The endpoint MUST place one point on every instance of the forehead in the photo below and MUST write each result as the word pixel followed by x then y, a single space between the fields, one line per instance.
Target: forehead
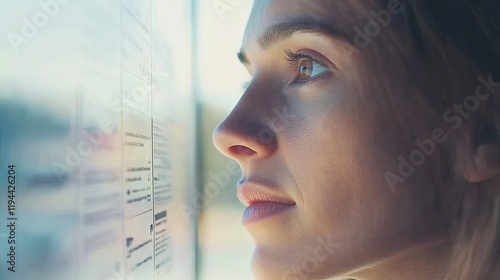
pixel 342 15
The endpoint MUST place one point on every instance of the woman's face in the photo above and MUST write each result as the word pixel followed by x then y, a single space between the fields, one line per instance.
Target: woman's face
pixel 314 136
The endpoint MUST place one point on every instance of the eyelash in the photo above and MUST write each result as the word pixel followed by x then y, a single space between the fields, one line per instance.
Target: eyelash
pixel 294 58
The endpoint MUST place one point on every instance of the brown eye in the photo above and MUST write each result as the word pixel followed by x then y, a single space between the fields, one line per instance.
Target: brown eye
pixel 309 69
pixel 306 69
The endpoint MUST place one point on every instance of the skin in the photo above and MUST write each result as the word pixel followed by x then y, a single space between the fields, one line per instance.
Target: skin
pixel 327 150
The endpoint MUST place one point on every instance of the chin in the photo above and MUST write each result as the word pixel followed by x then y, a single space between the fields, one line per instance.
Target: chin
pixel 271 264
pixel 287 264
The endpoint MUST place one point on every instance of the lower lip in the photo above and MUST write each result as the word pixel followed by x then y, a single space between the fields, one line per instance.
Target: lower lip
pixel 263 210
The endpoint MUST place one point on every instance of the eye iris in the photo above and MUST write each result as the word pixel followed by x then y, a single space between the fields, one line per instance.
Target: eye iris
pixel 306 68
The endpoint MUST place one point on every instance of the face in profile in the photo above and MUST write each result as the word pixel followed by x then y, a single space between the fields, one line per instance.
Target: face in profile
pixel 321 133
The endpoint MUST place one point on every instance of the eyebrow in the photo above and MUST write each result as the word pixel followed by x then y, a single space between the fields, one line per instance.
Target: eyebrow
pixel 282 31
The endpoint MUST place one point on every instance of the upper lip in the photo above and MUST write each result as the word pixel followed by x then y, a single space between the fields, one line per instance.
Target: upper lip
pixel 250 192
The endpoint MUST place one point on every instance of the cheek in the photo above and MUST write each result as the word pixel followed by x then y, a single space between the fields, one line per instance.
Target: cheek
pixel 337 155
pixel 330 159
pixel 343 195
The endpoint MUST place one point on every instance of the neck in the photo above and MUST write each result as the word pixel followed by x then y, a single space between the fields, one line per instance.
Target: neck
pixel 427 261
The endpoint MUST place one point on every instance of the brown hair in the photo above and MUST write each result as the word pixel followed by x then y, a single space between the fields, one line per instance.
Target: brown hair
pixel 444 46
pixel 456 39
pixel 452 43
pixel 470 27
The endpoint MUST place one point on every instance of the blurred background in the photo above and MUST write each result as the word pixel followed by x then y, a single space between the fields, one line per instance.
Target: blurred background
pixel 225 246
pixel 107 108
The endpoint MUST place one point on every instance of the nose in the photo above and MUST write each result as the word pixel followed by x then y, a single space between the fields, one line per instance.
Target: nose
pixel 243 140
pixel 244 134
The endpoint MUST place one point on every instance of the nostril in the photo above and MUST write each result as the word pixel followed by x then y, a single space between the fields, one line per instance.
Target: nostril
pixel 241 150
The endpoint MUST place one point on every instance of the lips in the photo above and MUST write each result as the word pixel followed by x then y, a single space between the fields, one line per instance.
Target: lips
pixel 263 201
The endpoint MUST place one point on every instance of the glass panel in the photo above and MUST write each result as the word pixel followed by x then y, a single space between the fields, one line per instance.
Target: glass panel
pixel 97 129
